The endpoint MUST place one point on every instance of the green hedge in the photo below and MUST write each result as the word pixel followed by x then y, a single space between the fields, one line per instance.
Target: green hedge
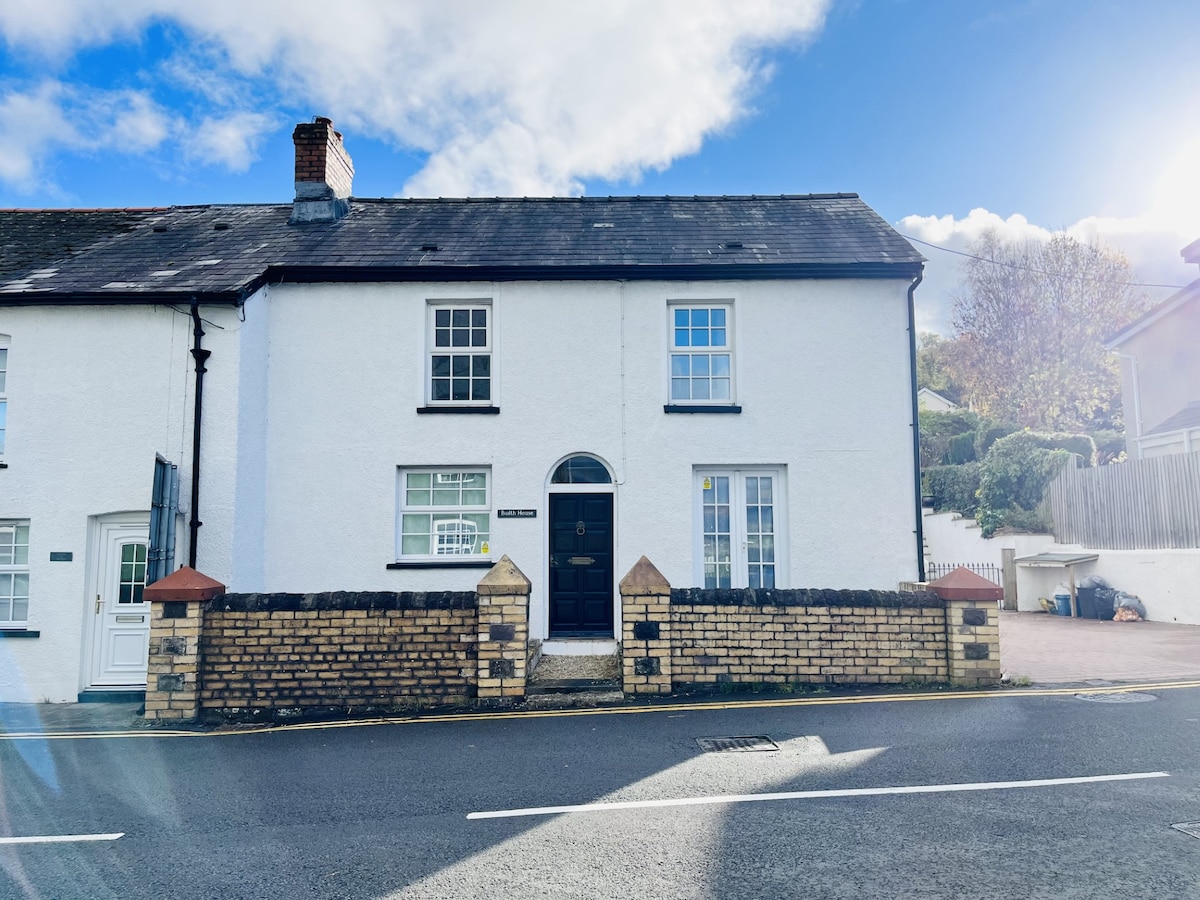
pixel 1013 478
pixel 961 449
pixel 953 488
pixel 938 428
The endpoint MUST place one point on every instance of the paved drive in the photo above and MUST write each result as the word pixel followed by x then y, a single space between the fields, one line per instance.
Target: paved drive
pixel 1058 650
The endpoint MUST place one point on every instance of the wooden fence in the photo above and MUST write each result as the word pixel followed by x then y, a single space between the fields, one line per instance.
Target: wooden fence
pixel 1147 504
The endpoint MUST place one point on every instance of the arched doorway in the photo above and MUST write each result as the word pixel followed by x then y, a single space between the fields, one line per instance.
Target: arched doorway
pixel 580 524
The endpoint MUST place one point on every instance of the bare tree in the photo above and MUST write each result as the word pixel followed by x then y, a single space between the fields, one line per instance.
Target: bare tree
pixel 1030 320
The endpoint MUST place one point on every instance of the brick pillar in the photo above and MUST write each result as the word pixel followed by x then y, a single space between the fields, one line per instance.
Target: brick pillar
pixel 972 627
pixel 503 597
pixel 973 642
pixel 176 621
pixel 645 630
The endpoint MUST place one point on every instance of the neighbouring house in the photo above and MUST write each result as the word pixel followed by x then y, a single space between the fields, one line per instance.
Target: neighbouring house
pixel 345 394
pixel 933 401
pixel 1160 373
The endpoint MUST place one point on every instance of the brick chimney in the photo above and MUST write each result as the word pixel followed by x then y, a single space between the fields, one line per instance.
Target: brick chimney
pixel 324 173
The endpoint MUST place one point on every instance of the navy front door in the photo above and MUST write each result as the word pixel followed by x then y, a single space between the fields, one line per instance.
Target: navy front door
pixel 581 565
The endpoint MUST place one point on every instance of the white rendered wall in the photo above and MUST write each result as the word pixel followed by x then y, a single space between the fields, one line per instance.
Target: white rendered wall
pixel 93 394
pixel 822 375
pixel 952 538
pixel 1165 580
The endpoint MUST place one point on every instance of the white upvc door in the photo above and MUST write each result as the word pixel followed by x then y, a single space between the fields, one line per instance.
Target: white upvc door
pixel 740 528
pixel 121 617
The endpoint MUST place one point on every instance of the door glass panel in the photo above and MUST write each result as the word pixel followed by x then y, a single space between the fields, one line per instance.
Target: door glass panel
pixel 718 559
pixel 133 573
pixel 760 543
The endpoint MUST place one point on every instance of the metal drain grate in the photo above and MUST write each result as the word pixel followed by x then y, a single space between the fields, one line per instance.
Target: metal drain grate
pixel 1117 697
pixel 758 743
pixel 1192 828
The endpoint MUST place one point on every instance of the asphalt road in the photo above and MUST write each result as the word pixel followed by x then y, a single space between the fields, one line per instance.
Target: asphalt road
pixel 382 811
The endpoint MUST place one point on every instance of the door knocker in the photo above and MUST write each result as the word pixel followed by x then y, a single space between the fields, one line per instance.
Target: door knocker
pixel 580 528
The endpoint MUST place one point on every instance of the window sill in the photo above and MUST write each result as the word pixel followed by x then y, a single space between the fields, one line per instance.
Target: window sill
pixel 21 633
pixel 448 564
pixel 459 410
pixel 669 408
pixel 3 465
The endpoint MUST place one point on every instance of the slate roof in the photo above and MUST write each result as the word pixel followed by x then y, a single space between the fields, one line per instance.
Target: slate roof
pixel 28 237
pixel 1188 417
pixel 222 253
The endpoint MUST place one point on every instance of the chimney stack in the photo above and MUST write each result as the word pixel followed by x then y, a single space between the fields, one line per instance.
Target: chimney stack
pixel 324 173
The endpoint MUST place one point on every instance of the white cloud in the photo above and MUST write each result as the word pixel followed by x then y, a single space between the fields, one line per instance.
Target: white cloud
pixel 522 97
pixel 1150 241
pixel 54 116
pixel 231 141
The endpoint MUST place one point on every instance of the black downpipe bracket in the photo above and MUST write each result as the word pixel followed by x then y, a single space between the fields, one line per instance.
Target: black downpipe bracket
pixel 916 429
pixel 200 355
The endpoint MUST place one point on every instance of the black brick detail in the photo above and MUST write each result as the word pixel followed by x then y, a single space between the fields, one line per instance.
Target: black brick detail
pixel 174 609
pixel 170 682
pixel 805 597
pixel 974 616
pixel 976 651
pixel 647 665
pixel 502 668
pixel 706 660
pixel 502 633
pixel 345 600
pixel 173 646
pixel 645 631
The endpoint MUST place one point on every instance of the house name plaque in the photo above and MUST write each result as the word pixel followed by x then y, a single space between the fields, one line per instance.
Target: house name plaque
pixel 516 514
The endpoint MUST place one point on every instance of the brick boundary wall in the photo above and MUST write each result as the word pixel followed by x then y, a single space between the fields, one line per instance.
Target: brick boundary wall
pixel 263 655
pixel 807 637
pixel 691 638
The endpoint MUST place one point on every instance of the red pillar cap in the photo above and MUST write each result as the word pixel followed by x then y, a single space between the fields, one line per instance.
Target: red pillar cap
pixel 963 584
pixel 184 584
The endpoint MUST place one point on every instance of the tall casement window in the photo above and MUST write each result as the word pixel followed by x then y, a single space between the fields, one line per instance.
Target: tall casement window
pixel 701 354
pixel 445 514
pixel 3 389
pixel 740 528
pixel 14 573
pixel 460 354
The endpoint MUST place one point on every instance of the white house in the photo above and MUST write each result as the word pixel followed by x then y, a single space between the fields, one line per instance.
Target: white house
pixel 932 401
pixel 394 393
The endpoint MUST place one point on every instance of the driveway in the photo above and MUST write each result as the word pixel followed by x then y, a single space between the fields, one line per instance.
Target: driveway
pixel 1057 650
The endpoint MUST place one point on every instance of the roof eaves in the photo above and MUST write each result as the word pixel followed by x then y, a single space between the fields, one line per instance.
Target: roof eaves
pixel 593 272
pixel 1168 306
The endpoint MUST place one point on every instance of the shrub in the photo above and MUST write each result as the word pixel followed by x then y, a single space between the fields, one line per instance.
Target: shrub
pixel 1013 478
pixel 937 428
pixel 988 432
pixel 1109 446
pixel 961 449
pixel 953 488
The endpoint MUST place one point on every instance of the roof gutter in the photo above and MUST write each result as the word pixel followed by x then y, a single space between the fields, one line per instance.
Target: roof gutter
pixel 916 429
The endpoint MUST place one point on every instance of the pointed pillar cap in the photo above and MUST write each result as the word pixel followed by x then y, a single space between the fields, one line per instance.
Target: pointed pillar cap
pixel 644 578
pixel 184 584
pixel 504 578
pixel 963 584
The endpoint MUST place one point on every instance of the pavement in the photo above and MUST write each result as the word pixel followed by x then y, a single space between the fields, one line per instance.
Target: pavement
pixel 1035 648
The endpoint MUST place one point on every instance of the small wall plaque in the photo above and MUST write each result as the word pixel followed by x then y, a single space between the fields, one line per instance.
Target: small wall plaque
pixel 61 556
pixel 516 514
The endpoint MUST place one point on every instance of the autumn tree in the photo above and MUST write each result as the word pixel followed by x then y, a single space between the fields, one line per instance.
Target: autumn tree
pixel 935 366
pixel 1029 323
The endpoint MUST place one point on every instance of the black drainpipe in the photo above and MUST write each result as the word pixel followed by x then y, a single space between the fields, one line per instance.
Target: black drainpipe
pixel 200 355
pixel 916 430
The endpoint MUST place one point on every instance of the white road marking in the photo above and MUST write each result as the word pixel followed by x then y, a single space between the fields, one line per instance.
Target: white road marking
pixel 61 838
pixel 809 795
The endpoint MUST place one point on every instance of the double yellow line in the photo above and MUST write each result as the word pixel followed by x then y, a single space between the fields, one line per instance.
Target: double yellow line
pixel 660 708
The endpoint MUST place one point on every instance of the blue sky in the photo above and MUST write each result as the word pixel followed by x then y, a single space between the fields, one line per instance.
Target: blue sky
pixel 947 116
